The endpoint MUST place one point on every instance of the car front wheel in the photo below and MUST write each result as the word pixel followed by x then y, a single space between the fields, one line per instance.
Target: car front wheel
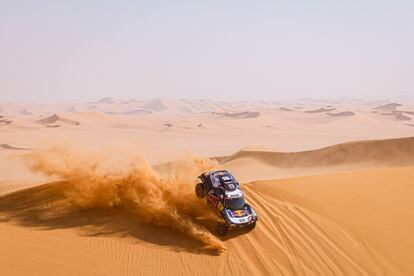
pixel 200 191
pixel 252 226
pixel 222 229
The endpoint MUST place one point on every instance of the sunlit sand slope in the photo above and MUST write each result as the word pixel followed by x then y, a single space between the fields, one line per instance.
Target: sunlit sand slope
pixel 342 157
pixel 353 223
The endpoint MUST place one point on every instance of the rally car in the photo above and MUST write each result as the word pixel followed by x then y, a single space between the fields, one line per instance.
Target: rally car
pixel 224 195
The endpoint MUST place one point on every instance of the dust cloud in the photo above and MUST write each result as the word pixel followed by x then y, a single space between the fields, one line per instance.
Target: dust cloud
pixel 111 178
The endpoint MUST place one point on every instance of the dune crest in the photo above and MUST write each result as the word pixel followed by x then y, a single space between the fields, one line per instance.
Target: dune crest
pixel 238 115
pixel 9 147
pixel 399 151
pixel 55 118
pixel 320 110
pixel 390 106
pixel 341 114
pixel 5 121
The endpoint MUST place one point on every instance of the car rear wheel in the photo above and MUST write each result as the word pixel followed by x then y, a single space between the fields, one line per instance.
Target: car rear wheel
pixel 200 191
pixel 222 229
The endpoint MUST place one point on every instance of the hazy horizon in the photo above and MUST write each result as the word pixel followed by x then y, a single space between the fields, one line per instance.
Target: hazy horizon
pixel 85 50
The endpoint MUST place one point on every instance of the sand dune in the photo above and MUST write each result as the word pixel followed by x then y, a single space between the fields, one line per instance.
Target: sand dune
pixel 136 112
pixel 408 112
pixel 238 115
pixel 390 106
pixel 107 198
pixel 130 112
pixel 5 121
pixel 400 116
pixel 157 105
pixel 341 114
pixel 55 118
pixel 396 152
pixel 320 110
pixel 351 202
pixel 342 157
pixel 25 112
pixel 8 147
pixel 337 232
pixel 109 100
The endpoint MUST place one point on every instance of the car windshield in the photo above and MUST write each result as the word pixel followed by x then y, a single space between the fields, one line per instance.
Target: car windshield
pixel 234 203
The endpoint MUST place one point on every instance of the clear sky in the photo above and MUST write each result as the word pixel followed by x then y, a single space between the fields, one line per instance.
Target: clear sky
pixel 232 50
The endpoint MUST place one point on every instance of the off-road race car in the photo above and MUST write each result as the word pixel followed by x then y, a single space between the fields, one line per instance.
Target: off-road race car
pixel 224 195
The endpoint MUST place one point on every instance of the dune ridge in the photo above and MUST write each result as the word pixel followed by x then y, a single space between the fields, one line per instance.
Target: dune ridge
pixel 5 121
pixel 391 152
pixel 341 114
pixel 239 115
pixel 320 110
pixel 390 106
pixel 55 118
pixel 9 147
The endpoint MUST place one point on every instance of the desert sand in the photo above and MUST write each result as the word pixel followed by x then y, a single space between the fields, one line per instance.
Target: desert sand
pixel 107 187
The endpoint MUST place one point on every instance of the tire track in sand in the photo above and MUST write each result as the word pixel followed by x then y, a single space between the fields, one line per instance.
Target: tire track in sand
pixel 306 242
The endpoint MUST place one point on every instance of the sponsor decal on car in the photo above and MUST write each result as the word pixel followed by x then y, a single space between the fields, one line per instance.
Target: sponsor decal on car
pixel 239 213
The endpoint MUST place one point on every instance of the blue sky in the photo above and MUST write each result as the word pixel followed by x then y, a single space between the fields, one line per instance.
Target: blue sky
pixel 229 50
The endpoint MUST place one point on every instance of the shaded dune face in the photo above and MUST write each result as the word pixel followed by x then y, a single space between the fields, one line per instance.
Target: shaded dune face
pixel 239 115
pixel 132 187
pixel 320 110
pixel 342 114
pixel 10 147
pixel 55 118
pixel 52 206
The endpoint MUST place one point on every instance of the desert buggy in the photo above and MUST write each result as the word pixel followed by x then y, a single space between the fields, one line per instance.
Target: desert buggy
pixel 224 195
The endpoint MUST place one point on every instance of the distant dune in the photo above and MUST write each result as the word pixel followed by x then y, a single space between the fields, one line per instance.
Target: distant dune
pixel 398 115
pixel 341 114
pixel 390 106
pixel 156 105
pixel 25 112
pixel 285 109
pixel 5 121
pixel 320 110
pixel 55 118
pixel 8 147
pixel 109 100
pixel 401 116
pixel 137 112
pixel 238 115
pixel 131 112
